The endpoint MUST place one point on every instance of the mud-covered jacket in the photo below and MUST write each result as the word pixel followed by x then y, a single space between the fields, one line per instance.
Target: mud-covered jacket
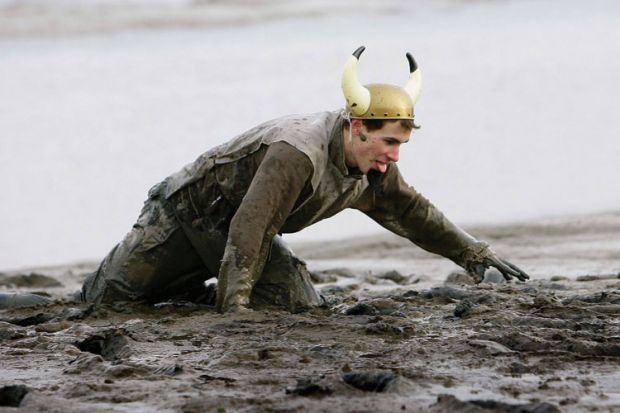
pixel 289 173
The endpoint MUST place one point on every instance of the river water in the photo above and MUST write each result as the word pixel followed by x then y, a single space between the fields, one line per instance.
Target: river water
pixel 518 113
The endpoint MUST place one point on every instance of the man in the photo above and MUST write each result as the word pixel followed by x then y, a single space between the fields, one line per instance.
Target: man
pixel 220 216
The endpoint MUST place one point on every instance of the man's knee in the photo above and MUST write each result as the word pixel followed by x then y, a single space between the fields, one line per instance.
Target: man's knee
pixel 285 281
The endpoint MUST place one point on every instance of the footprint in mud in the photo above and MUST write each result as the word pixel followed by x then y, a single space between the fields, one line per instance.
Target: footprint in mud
pixel 111 345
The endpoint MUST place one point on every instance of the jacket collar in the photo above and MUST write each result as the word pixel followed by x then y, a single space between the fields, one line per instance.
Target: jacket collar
pixel 336 151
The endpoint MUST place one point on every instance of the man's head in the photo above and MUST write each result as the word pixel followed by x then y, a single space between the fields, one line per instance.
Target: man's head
pixel 380 101
pixel 381 117
pixel 375 143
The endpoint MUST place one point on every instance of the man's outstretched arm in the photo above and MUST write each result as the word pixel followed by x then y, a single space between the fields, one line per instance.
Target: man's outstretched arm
pixel 276 186
pixel 402 210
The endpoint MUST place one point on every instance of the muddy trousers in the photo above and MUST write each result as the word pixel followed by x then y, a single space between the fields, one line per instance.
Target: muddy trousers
pixel 163 258
pixel 174 270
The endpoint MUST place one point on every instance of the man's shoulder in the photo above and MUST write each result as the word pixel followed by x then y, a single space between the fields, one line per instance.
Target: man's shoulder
pixel 309 134
pixel 306 132
pixel 310 127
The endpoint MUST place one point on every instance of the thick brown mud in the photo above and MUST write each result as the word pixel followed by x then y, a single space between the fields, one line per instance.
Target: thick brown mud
pixel 388 340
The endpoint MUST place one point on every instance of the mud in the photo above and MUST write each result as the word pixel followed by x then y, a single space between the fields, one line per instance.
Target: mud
pixel 452 404
pixel 400 332
pixel 12 396
pixel 31 280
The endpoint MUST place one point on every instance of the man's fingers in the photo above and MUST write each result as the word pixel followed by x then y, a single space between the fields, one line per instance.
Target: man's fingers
pixel 508 269
pixel 522 275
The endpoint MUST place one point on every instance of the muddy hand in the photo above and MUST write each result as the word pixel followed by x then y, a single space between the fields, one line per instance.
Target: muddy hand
pixel 507 269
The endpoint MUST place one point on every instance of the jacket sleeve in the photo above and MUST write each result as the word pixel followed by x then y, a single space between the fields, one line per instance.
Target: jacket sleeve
pixel 404 211
pixel 276 186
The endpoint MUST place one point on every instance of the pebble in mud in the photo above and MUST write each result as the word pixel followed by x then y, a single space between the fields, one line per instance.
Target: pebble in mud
pixel 490 347
pixel 111 345
pixel 387 306
pixel 463 309
pixel 339 289
pixel 123 371
pixel 308 387
pixel 85 363
pixel 169 370
pixel 460 278
pixel 372 381
pixel 322 277
pixel 451 293
pixel 362 308
pixel 395 277
pixel 12 396
pixel 383 328
pixel 493 276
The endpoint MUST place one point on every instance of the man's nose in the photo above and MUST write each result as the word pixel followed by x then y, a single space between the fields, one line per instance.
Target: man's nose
pixel 393 154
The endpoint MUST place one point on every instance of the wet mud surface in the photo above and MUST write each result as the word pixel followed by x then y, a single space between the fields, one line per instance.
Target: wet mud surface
pixel 405 333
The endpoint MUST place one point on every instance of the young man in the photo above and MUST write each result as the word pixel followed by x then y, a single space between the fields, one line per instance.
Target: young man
pixel 220 216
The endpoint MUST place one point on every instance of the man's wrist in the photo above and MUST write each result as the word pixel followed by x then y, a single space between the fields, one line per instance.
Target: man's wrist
pixel 475 254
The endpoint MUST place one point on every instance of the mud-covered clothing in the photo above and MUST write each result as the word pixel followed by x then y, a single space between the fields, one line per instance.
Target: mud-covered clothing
pixel 170 254
pixel 279 177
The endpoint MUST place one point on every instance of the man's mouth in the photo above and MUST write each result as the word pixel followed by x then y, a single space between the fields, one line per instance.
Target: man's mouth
pixel 380 166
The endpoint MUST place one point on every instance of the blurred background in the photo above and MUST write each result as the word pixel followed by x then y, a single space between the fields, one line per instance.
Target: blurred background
pixel 101 99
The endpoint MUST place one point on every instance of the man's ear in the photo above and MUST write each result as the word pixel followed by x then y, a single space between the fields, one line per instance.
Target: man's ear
pixel 356 126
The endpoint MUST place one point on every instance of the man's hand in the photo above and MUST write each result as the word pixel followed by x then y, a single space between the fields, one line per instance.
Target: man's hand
pixel 507 269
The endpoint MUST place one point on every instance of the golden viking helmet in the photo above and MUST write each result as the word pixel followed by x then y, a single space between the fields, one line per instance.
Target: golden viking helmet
pixel 380 101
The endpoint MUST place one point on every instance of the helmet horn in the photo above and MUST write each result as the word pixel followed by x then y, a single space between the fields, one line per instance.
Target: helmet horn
pixel 357 96
pixel 414 84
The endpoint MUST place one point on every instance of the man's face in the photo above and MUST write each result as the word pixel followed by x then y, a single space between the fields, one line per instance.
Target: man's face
pixel 376 149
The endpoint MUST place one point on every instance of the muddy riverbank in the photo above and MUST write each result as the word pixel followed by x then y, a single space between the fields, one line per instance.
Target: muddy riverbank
pixel 402 331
